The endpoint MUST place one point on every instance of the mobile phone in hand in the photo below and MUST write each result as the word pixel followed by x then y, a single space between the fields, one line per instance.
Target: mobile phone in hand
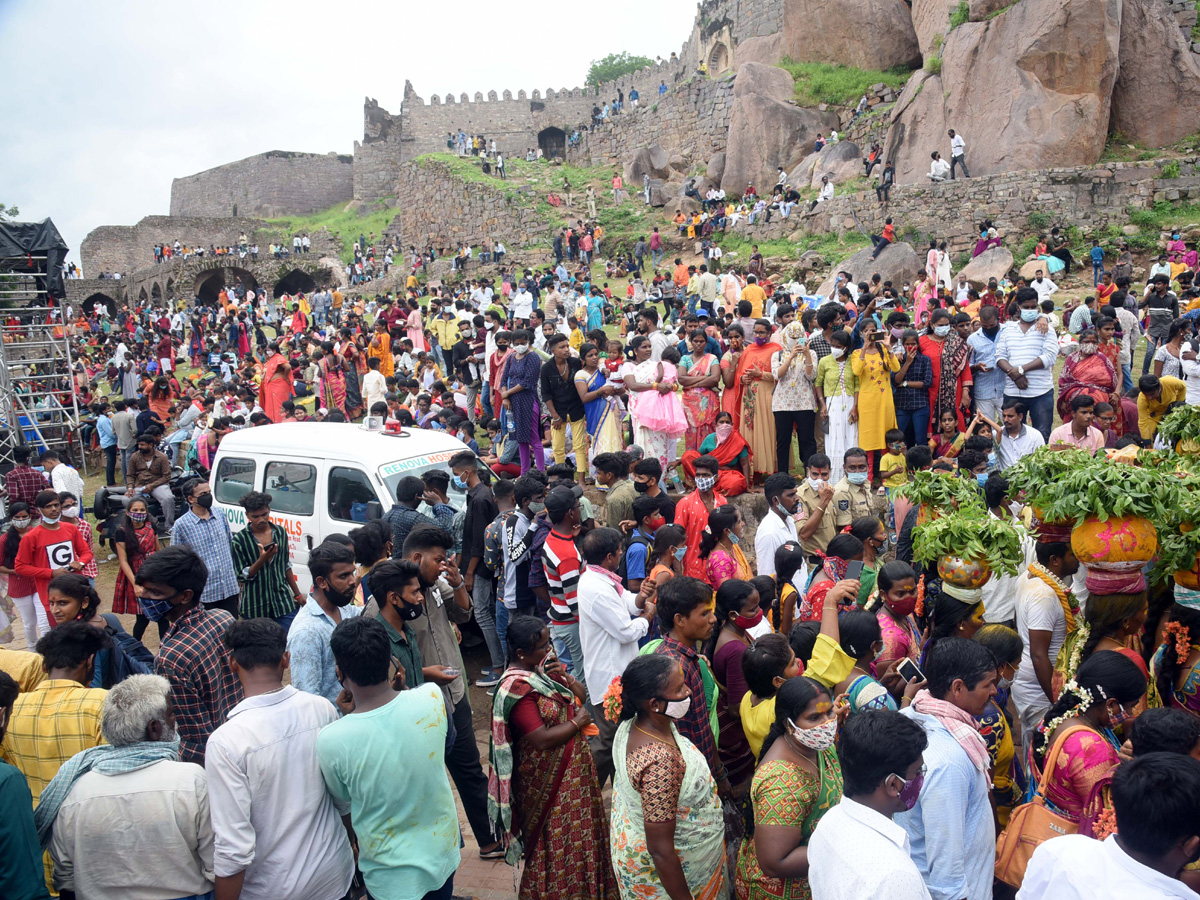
pixel 854 570
pixel 909 671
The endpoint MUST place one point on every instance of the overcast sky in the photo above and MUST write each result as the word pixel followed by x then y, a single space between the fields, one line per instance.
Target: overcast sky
pixel 106 102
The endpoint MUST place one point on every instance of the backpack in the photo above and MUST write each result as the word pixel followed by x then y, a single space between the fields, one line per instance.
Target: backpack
pixel 127 657
pixel 623 567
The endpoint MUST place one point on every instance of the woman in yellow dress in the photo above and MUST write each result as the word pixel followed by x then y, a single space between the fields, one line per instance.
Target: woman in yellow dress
pixel 873 365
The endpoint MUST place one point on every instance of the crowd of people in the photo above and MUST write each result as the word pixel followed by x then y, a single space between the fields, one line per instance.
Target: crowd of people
pixel 793 707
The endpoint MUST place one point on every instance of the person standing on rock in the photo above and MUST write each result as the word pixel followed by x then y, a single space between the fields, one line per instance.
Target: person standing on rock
pixel 591 202
pixel 617 185
pixel 500 166
pixel 885 183
pixel 958 154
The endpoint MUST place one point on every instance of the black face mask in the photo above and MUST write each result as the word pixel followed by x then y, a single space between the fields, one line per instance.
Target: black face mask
pixel 408 612
pixel 992 332
pixel 641 486
pixel 337 598
pixel 205 501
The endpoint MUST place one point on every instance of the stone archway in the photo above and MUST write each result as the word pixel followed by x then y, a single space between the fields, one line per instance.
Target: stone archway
pixel 156 294
pixel 552 142
pixel 294 281
pixel 142 297
pixel 718 59
pixel 170 288
pixel 209 283
pixel 97 300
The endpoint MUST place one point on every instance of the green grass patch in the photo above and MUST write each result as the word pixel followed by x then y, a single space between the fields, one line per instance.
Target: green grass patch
pixel 344 224
pixel 960 15
pixel 1171 169
pixel 933 65
pixel 1002 10
pixel 1164 215
pixel 838 85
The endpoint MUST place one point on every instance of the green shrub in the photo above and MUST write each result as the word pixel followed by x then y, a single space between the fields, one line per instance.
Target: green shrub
pixel 1171 169
pixel 838 85
pixel 933 65
pixel 1038 221
pixel 961 15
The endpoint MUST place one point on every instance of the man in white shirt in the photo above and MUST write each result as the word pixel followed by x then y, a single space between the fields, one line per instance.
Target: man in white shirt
pixel 939 169
pixel 1044 286
pixel 1016 439
pixel 62 476
pixel 958 150
pixel 278 831
pixel 1156 799
pixel 857 852
pixel 778 526
pixel 1043 596
pixel 611 622
pixel 648 320
pixel 91 811
pixel 522 304
pixel 951 829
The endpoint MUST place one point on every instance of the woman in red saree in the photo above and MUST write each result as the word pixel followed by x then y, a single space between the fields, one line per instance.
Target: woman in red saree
pixel 543 789
pixel 276 385
pixel 730 450
pixel 731 398
pixel 947 351
pixel 755 385
pixel 699 372
pixel 333 379
pixel 1089 371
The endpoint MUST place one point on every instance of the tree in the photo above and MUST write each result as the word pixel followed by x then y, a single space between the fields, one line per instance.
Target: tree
pixel 8 212
pixel 614 66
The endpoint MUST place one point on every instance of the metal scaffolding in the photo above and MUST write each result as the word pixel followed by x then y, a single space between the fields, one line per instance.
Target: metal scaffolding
pixel 39 406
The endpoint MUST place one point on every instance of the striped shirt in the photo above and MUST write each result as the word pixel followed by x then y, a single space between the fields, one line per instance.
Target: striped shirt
pixel 268 594
pixel 210 538
pixel 563 565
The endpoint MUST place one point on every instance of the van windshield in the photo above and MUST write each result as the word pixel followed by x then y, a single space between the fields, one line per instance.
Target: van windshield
pixel 392 472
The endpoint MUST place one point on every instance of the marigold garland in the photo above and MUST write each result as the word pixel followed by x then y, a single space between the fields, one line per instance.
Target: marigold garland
pixel 611 702
pixel 1105 824
pixel 1183 639
pixel 919 609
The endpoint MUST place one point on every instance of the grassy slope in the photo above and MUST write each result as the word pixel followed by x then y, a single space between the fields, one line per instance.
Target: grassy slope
pixel 838 85
pixel 342 222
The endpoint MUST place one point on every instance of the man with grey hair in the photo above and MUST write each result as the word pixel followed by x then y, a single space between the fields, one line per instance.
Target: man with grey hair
pixel 85 814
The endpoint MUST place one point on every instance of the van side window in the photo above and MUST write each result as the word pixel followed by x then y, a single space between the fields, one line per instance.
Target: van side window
pixel 234 479
pixel 349 494
pixel 292 486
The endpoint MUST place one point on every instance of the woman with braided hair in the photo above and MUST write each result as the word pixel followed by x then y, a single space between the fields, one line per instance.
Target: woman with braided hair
pixel 1111 622
pixel 1176 664
pixel 1079 726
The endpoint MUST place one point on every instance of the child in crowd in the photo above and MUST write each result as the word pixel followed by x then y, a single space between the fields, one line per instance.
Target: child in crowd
pixel 893 471
pixel 948 441
pixel 767 664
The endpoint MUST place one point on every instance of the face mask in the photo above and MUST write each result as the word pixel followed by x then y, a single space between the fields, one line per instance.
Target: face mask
pixel 1029 315
pixel 406 611
pixel 982 478
pixel 500 348
pixel 1003 684
pixel 680 553
pixel 705 483
pixel 724 430
pixel 155 610
pixel 336 597
pixel 992 332
pixel 137 518
pixel 747 622
pixel 816 483
pixel 521 349
pixel 903 607
pixel 677 709
pixel 205 501
pixel 837 352
pixel 1119 717
pixel 459 482
pixel 641 486
pixel 856 477
pixel 1087 349
pixel 942 330
pixel 734 539
pixel 992 460
pixel 22 524
pixel 897 333
pixel 48 520
pixel 70 512
pixel 657 522
pixel 819 738
pixel 760 341
pixel 490 325
pixel 537 506
pixel 911 790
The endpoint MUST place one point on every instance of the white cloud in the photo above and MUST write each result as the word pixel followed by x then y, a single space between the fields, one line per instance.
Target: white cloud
pixel 105 103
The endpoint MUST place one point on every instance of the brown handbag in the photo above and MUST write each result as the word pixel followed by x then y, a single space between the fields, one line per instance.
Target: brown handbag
pixel 1032 824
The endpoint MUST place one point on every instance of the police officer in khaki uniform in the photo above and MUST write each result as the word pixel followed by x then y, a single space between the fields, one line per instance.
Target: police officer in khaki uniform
pixel 817 528
pixel 852 496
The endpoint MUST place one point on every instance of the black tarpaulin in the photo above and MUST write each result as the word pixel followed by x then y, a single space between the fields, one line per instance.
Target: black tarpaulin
pixel 21 243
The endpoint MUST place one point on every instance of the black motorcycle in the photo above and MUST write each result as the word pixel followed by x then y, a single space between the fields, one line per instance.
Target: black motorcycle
pixel 108 508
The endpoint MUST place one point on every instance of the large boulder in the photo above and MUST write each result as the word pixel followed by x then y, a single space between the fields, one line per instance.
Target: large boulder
pixel 1026 90
pixel 801 174
pixel 716 167
pixel 866 34
pixel 930 19
pixel 841 162
pixel 652 161
pixel 765 129
pixel 1156 100
pixel 989 264
pixel 898 263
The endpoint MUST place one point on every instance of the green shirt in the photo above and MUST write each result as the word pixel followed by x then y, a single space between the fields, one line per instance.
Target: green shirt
pixel 406 654
pixel 22 876
pixel 404 813
pixel 268 595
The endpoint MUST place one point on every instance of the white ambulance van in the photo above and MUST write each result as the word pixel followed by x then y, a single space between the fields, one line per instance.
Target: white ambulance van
pixel 324 478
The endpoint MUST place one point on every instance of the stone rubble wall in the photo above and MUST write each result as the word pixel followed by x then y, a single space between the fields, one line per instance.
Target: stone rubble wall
pixel 438 207
pixel 127 248
pixel 1089 197
pixel 691 117
pixel 276 183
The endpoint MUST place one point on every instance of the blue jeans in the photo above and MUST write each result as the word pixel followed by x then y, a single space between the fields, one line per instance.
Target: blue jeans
pixel 502 616
pixel 483 599
pixel 568 648
pixel 1126 377
pixel 488 412
pixel 1151 349
pixel 1097 271
pixel 1041 411
pixel 286 621
pixel 915 425
pixel 655 257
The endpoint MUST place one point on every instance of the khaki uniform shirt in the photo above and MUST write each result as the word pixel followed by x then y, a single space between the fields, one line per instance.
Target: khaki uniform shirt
pixel 850 501
pixel 810 505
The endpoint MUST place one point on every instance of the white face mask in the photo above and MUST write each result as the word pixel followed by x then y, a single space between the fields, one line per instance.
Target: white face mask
pixel 816 483
pixel 941 330
pixel 520 349
pixel 837 352
pixel 677 709
pixel 819 738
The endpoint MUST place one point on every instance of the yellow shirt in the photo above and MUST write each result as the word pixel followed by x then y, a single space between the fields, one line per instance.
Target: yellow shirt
pixel 757 296
pixel 49 725
pixel 1150 412
pixel 24 666
pixel 757 721
pixel 338 299
pixel 890 461
pixel 576 339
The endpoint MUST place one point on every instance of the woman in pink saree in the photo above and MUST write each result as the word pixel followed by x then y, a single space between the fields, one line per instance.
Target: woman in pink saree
pixel 699 372
pixel 923 291
pixel 1088 371
pixel 416 331
pixel 333 379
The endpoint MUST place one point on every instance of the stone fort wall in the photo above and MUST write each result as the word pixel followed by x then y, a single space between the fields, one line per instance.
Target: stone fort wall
pixel 127 248
pixel 276 183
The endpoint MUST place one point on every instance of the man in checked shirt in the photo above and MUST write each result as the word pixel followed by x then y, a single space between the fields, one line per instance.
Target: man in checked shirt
pixel 23 483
